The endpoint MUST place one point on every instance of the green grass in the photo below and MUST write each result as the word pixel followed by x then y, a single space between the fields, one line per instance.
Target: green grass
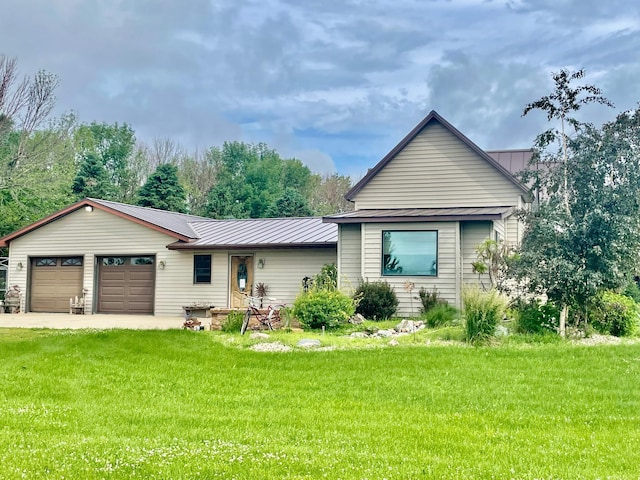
pixel 179 404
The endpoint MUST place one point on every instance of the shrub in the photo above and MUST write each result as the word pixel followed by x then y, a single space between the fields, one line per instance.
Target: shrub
pixel 632 291
pixel 327 279
pixel 614 314
pixel 536 317
pixel 233 322
pixel 482 312
pixel 323 308
pixel 429 299
pixel 376 300
pixel 440 315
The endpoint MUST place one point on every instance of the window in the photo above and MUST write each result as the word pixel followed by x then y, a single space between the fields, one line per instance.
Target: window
pixel 202 269
pixel 141 260
pixel 72 262
pixel 113 261
pixel 410 253
pixel 46 262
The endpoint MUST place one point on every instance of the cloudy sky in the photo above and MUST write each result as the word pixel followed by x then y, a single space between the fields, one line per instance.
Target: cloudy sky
pixel 336 83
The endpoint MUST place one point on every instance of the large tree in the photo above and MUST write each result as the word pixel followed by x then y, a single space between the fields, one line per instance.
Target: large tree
pixel 584 236
pixel 290 204
pixel 114 146
pixel 36 157
pixel 250 178
pixel 163 190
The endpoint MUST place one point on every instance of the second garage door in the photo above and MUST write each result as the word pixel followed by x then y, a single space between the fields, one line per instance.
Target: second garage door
pixel 126 284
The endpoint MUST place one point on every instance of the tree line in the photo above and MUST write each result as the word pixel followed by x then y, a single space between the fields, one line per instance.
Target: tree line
pixel 47 163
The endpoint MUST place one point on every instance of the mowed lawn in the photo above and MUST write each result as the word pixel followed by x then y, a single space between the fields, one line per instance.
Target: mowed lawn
pixel 178 404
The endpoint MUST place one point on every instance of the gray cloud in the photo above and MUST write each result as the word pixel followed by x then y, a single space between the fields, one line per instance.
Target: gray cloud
pixel 340 81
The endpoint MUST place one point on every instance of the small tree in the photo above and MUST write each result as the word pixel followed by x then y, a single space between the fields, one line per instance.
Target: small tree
pixel 163 190
pixel 576 242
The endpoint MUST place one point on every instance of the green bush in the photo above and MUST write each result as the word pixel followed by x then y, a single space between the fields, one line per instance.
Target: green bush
pixel 440 315
pixel 536 317
pixel 429 299
pixel 323 308
pixel 614 314
pixel 376 300
pixel 482 312
pixel 632 291
pixel 233 322
pixel 327 279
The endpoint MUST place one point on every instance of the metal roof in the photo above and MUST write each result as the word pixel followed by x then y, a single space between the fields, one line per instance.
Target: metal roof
pixel 172 221
pixel 262 233
pixel 420 214
pixel 514 161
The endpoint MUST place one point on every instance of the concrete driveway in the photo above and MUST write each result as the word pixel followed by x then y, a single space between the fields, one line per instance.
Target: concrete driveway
pixel 65 320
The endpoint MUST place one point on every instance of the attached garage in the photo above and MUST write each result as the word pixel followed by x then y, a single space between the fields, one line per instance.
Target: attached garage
pixel 54 280
pixel 126 284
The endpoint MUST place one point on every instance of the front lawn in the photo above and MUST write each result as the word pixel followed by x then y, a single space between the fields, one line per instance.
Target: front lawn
pixel 180 404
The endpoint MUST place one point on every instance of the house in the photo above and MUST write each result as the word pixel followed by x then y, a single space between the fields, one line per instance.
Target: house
pixel 422 210
pixel 137 260
pixel 419 215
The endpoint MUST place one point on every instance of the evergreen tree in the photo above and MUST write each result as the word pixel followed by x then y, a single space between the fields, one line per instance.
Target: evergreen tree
pixel 163 190
pixel 92 179
pixel 290 204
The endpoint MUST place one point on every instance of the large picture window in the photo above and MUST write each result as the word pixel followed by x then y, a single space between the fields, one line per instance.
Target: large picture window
pixel 202 269
pixel 410 253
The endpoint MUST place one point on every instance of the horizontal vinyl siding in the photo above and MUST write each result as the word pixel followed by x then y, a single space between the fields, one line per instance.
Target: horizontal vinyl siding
pixel 88 234
pixel 473 234
pixel 445 282
pixel 350 244
pixel 284 269
pixel 514 229
pixel 437 170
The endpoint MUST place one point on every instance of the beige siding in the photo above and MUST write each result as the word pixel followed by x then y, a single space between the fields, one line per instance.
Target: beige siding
pixel 349 257
pixel 499 229
pixel 98 233
pixel 437 170
pixel 88 234
pixel 284 269
pixel 445 282
pixel 473 234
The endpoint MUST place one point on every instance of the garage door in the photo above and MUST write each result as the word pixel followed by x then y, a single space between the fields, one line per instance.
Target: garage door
pixel 126 284
pixel 53 281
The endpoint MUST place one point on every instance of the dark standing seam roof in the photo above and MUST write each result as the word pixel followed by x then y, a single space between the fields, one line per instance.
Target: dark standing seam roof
pixel 420 214
pixel 172 221
pixel 262 232
pixel 432 117
pixel 514 161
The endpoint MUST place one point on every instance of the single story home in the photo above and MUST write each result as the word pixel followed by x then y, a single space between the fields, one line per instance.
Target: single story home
pixel 136 260
pixel 419 215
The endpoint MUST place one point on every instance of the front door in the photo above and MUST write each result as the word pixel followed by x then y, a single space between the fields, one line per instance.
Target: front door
pixel 241 280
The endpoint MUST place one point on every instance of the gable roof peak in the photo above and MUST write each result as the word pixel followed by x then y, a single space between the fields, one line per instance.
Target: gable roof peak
pixel 432 116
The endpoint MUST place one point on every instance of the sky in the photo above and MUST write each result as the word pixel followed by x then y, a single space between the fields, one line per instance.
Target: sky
pixel 335 83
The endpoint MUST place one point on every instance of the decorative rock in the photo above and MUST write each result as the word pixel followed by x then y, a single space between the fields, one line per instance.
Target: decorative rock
pixel 384 333
pixel 394 342
pixel 357 319
pixel 359 335
pixel 502 331
pixel 258 335
pixel 308 343
pixel 271 347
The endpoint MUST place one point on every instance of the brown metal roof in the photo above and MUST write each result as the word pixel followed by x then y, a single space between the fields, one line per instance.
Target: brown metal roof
pixel 261 233
pixel 433 117
pixel 420 214
pixel 514 161
pixel 172 221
